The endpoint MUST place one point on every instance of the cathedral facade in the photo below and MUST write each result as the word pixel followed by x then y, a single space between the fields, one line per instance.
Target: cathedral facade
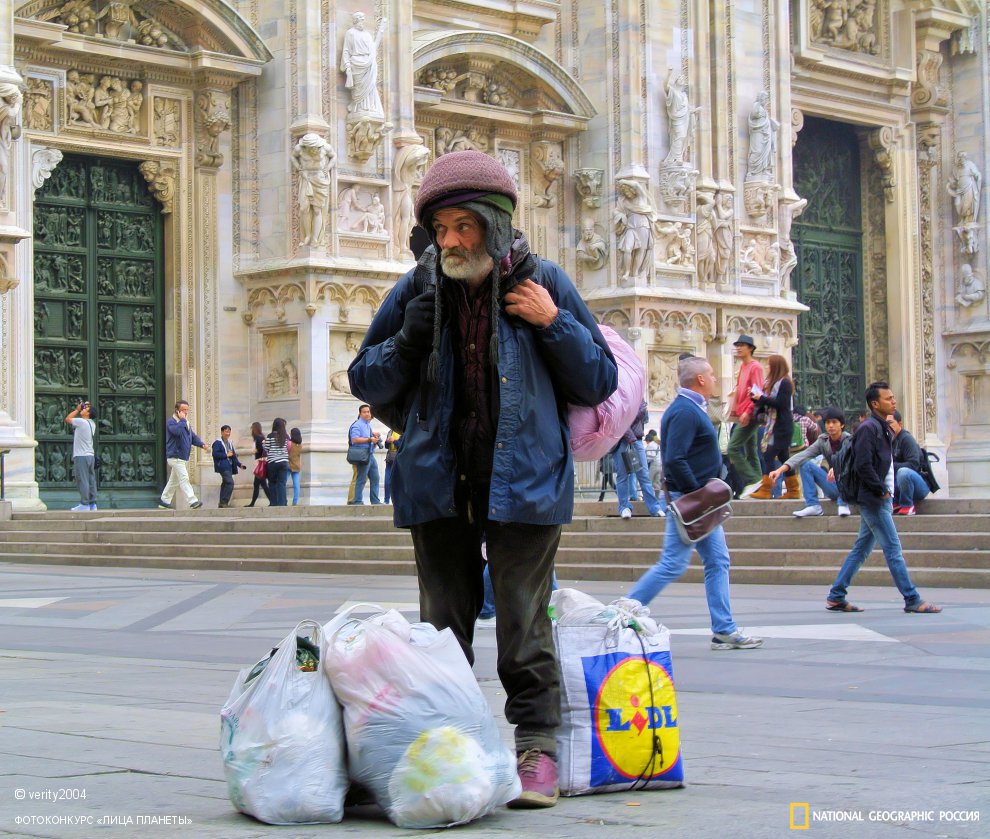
pixel 209 200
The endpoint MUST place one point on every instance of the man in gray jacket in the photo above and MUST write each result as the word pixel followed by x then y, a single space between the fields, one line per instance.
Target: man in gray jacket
pixel 814 476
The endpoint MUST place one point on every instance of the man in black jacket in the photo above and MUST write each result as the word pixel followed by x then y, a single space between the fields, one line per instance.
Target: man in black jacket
pixel 225 464
pixel 908 460
pixel 874 466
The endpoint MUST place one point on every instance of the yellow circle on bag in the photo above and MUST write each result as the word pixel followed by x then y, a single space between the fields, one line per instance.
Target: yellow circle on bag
pixel 637 730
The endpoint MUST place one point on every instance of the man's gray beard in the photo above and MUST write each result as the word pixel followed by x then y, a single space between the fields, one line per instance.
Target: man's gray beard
pixel 477 266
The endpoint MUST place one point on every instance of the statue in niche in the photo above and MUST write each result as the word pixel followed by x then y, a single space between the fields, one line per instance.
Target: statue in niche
pixel 407 174
pixel 447 140
pixel 789 210
pixel 291 376
pixel 166 122
pixel 125 465
pixel 680 118
pixel 964 186
pixel 676 245
pixel 10 109
pixel 373 218
pixel 359 63
pixel 704 235
pixel 633 217
pixel 313 158
pixel 723 235
pixel 102 97
pixel 134 103
pixel 592 249
pixel 972 289
pixel 760 256
pixel 80 93
pixel 762 140
pixel 349 209
pixel 107 325
pixel 212 119
pixel 56 465
pixel 845 24
pixel 121 118
pixel 38 113
pixel 351 344
pixel 40 318
pixel 146 468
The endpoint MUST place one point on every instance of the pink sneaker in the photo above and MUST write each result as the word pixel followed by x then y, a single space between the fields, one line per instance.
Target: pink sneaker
pixel 538 775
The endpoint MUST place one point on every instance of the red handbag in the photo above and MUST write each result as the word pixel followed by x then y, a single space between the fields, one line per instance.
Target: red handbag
pixel 260 468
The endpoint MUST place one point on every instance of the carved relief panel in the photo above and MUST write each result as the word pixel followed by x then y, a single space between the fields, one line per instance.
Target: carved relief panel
pixel 280 364
pixel 343 346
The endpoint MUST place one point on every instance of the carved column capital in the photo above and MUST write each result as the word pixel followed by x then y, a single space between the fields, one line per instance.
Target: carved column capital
pixel 882 142
pixel 160 176
pixel 927 92
pixel 212 119
pixel 588 182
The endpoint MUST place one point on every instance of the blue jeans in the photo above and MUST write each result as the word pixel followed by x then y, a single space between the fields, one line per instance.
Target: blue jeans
pixel 623 479
pixel 876 524
pixel 367 471
pixel 813 477
pixel 388 481
pixel 488 607
pixel 295 487
pixel 673 562
pixel 276 482
pixel 911 487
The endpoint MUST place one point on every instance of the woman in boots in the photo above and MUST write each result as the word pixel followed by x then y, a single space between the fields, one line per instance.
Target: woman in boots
pixel 777 400
pixel 260 484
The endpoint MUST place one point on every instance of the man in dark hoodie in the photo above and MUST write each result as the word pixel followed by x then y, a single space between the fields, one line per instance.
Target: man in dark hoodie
pixel 873 464
pixel 475 354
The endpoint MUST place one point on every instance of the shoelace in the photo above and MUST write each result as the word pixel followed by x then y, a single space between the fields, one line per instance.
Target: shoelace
pixel 529 760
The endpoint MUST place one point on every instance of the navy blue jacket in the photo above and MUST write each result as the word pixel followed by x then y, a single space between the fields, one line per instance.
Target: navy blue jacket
pixel 179 439
pixel 872 459
pixel 222 463
pixel 688 446
pixel 906 452
pixel 540 371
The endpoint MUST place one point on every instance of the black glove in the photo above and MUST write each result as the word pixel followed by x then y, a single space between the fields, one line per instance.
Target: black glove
pixel 415 339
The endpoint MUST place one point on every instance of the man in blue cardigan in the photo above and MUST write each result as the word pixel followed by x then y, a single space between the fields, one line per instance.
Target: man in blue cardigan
pixel 691 457
pixel 179 440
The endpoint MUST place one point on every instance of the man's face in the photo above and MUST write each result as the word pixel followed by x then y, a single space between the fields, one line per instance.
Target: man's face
pixel 894 425
pixel 706 382
pixel 885 403
pixel 833 428
pixel 461 239
pixel 225 434
pixel 84 413
pixel 183 412
pixel 744 351
pixel 366 413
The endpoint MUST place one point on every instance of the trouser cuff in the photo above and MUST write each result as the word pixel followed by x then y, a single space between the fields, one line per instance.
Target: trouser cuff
pixel 533 738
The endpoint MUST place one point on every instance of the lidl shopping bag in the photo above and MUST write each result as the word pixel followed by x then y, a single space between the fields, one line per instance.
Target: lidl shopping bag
pixel 619 726
pixel 420 734
pixel 282 736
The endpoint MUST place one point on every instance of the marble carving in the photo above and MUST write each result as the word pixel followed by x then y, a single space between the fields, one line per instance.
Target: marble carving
pixel 312 159
pixel 407 174
pixel 10 110
pixel 592 249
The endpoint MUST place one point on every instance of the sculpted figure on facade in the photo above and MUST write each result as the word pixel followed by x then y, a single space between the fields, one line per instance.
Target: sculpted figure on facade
pixel 965 186
pixel 680 118
pixel 407 174
pixel 845 24
pixel 43 163
pixel 704 231
pixel 78 15
pixel 550 165
pixel 633 217
pixel 588 182
pixel 359 64
pixel 972 289
pixel 161 181
pixel 212 119
pixel 760 256
pixel 168 122
pixel 592 249
pixel 80 92
pixel 115 16
pixel 789 210
pixel 448 140
pixel 762 140
pixel 724 236
pixel 10 110
pixel 675 243
pixel 313 158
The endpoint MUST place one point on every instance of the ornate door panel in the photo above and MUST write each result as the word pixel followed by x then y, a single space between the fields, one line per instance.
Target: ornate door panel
pixel 98 319
pixel 830 360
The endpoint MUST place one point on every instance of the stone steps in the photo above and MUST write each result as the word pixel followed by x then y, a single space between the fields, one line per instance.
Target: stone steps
pixel 948 544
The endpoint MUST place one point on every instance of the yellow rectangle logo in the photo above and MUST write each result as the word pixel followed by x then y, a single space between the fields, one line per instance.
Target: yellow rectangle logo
pixel 800 815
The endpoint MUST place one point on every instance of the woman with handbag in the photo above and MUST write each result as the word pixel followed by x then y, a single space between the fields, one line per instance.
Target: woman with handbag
pixel 277 457
pixel 260 471
pixel 295 462
pixel 776 397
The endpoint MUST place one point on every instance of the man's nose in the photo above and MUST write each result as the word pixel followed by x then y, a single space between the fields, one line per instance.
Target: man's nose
pixel 448 239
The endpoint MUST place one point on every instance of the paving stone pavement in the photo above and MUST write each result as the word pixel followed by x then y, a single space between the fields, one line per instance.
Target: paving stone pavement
pixel 111 682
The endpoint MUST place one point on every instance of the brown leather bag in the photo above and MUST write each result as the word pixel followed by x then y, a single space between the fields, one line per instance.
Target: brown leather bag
pixel 698 513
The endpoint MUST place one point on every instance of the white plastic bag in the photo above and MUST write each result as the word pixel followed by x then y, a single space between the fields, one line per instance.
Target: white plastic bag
pixel 619 729
pixel 282 740
pixel 420 734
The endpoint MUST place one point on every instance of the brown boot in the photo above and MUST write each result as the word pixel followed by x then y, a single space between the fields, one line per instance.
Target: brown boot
pixel 765 490
pixel 793 484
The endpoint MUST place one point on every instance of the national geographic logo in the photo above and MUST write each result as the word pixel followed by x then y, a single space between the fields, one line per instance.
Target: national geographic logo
pixel 801 816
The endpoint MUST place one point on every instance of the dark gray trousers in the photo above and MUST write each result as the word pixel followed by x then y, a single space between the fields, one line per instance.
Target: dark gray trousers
pixel 84 467
pixel 451 592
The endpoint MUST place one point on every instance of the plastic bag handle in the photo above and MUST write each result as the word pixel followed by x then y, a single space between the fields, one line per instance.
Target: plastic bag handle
pixel 346 619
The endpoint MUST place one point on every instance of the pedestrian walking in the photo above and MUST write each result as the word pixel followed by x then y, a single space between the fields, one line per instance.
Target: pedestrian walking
pixel 630 463
pixel 361 434
pixel 295 463
pixel 260 481
pixel 775 446
pixel 83 455
pixel 277 461
pixel 179 440
pixel 226 464
pixel 743 450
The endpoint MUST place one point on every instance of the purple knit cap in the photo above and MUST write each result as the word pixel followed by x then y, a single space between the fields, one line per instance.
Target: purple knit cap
pixel 459 172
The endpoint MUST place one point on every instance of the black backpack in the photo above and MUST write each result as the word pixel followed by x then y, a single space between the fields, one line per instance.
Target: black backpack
pixel 846 478
pixel 926 469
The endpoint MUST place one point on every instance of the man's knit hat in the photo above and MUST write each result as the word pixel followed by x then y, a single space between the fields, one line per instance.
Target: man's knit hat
pixel 478 183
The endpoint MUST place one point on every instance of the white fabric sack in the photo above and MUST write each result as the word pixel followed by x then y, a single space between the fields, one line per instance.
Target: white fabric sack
pixel 420 734
pixel 619 726
pixel 282 740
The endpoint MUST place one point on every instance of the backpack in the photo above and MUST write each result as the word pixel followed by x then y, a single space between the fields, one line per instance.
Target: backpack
pixel 846 478
pixel 926 469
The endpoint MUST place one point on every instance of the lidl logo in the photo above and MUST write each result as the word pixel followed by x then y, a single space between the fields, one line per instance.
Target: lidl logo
pixel 634 714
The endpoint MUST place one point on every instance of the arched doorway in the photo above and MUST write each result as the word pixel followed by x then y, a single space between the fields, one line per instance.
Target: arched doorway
pixel 99 328
pixel 830 360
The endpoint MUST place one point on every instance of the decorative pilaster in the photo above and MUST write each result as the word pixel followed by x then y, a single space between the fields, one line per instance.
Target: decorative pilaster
pixel 881 143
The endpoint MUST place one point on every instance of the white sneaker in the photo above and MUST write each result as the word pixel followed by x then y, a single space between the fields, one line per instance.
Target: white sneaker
pixel 751 488
pixel 80 508
pixel 626 513
pixel 810 510
pixel 485 623
pixel 844 510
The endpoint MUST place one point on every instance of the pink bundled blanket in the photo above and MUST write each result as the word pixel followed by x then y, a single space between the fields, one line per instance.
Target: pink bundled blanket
pixel 594 431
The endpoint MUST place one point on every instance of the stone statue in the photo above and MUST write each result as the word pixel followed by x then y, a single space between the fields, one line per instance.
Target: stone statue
pixel 633 217
pixel 762 140
pixel 675 246
pixel 723 236
pixel 80 92
pixel 704 236
pixel 964 186
pixel 680 118
pixel 373 217
pixel 972 289
pixel 592 249
pixel 313 158
pixel 43 163
pixel 407 174
pixel 359 63
pixel 349 210
pixel 212 119
pixel 10 109
pixel 760 256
